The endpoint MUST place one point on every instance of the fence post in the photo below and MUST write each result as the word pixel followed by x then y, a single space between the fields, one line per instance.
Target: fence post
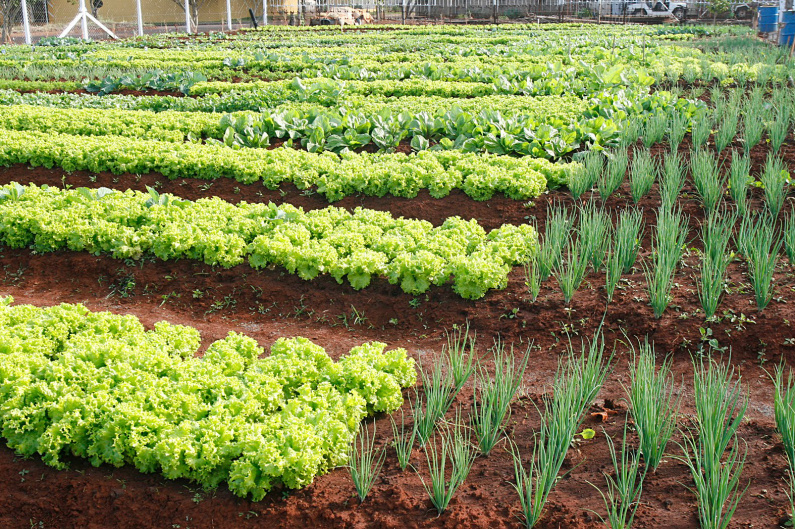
pixel 26 22
pixel 264 12
pixel 83 20
pixel 187 16
pixel 229 14
pixel 140 18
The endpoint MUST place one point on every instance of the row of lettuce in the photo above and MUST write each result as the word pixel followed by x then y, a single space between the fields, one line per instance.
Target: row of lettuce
pixel 98 386
pixel 347 246
pixel 480 176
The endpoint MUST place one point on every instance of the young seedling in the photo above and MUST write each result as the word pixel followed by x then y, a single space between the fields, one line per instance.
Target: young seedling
pixel 706 178
pixel 493 396
pixel 716 234
pixel 613 269
pixel 439 393
pixel 364 461
pixel 702 128
pixel 789 237
pixel 784 399
pixel 448 375
pixel 739 179
pixel 613 175
pixel 584 180
pixel 624 486
pixel 571 271
pixel 727 129
pixel 531 485
pixel 577 382
pixel 720 407
pixel 761 244
pixel 652 402
pixel 774 179
pixel 629 232
pixel 556 236
pixel 672 180
pixel 452 449
pixel 666 254
pixel 532 274
pixel 642 174
pixel 594 233
pixel 461 355
pixel 630 133
pixel 403 440
pixel 754 127
pixel 654 129
pixel 779 128
pixel 677 128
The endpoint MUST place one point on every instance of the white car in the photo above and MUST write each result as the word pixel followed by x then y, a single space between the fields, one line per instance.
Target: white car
pixel 656 9
pixel 742 11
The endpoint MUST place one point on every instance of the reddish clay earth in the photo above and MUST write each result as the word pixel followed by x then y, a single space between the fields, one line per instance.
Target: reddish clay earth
pixel 272 303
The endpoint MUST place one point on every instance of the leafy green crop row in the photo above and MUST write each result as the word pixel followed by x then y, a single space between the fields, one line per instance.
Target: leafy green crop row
pixel 356 246
pixel 554 58
pixel 164 126
pixel 320 129
pixel 427 96
pixel 325 93
pixel 152 80
pixel 306 88
pixel 478 175
pixel 98 386
pixel 455 129
pixel 37 86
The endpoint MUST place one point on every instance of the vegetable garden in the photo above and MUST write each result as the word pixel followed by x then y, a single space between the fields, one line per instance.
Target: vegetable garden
pixel 535 276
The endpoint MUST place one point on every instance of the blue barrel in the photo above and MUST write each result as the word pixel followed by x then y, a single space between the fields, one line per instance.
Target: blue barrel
pixel 787 28
pixel 768 19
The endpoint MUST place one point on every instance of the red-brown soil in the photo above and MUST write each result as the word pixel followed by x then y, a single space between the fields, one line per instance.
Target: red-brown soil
pixel 272 303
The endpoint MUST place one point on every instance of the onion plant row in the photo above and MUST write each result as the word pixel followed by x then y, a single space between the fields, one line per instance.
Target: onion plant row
pixel 577 381
pixel 784 398
pixel 720 407
pixel 760 242
pixel 716 233
pixel 666 254
pixel 653 402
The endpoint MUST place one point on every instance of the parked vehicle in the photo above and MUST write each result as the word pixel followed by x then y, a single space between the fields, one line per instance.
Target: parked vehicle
pixel 656 9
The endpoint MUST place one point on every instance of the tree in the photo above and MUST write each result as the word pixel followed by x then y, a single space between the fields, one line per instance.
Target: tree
pixel 194 6
pixel 94 5
pixel 717 7
pixel 11 13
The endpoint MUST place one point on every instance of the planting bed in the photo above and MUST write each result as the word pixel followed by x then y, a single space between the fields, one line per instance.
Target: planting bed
pixel 269 302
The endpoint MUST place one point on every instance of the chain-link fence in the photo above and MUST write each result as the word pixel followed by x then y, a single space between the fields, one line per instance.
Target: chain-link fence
pixel 124 18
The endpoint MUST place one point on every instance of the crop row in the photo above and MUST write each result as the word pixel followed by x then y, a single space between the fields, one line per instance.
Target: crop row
pixel 318 129
pixel 358 95
pixel 366 62
pixel 479 175
pixel 420 95
pixel 567 64
pixel 98 386
pixel 355 246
